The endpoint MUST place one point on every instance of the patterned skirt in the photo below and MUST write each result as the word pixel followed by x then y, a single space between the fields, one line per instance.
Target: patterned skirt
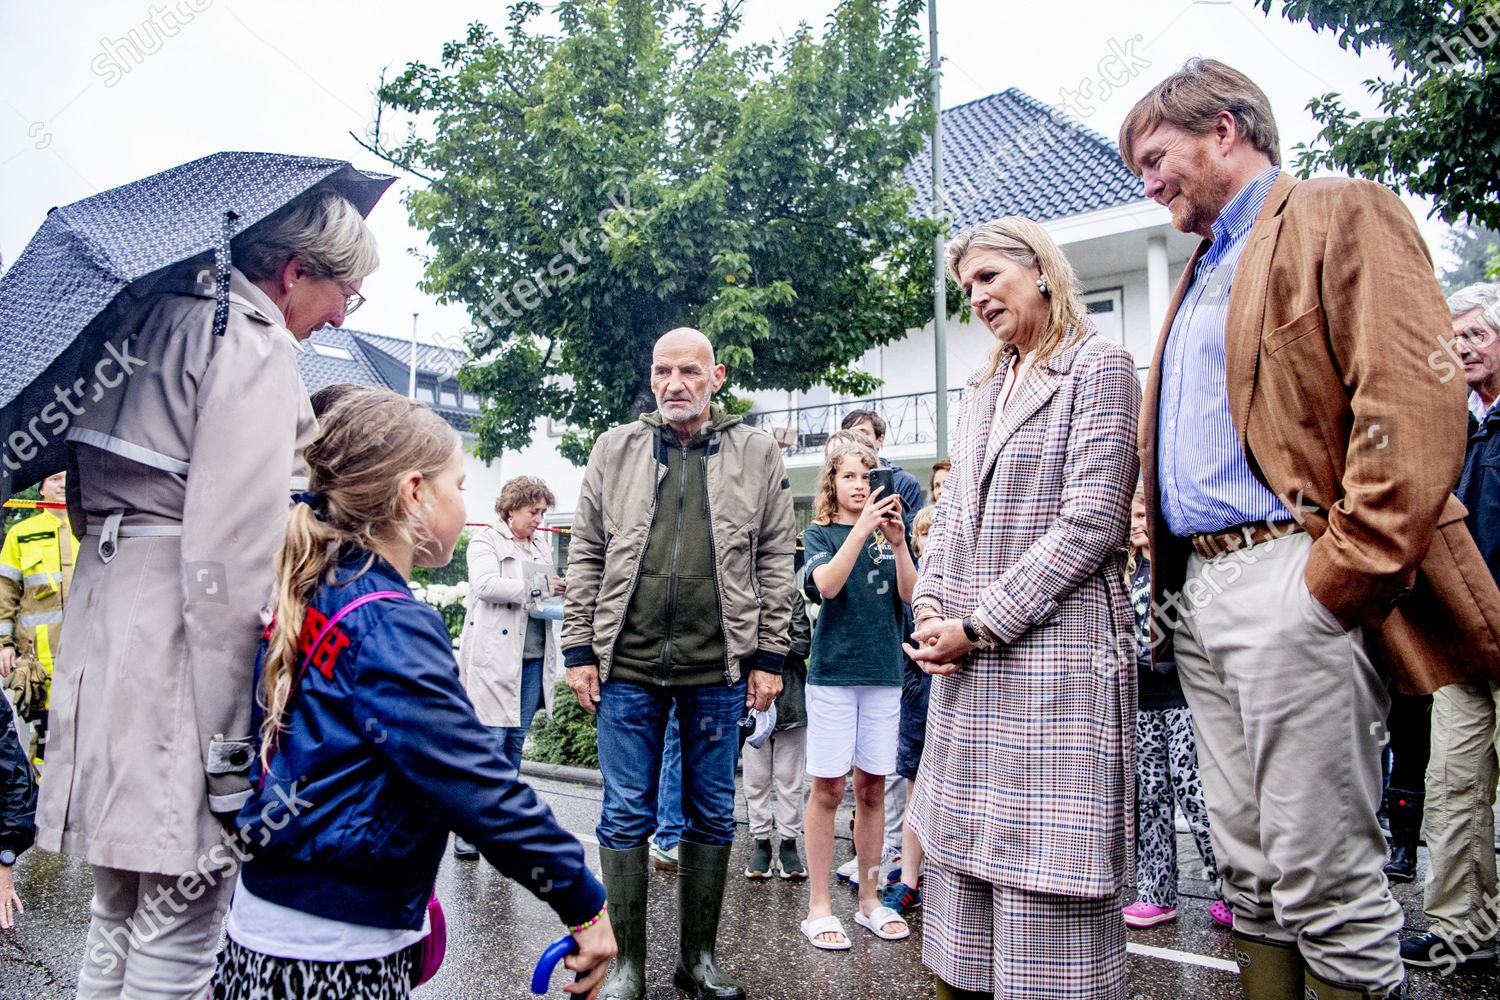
pixel 248 975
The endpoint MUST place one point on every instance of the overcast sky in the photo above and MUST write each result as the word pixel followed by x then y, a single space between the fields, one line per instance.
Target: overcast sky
pixel 79 114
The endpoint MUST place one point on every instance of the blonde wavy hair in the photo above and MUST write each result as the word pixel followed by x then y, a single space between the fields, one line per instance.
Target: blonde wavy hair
pixel 826 503
pixel 370 440
pixel 1028 244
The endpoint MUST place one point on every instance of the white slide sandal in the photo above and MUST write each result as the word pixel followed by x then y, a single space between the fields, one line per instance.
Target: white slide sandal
pixel 878 918
pixel 824 925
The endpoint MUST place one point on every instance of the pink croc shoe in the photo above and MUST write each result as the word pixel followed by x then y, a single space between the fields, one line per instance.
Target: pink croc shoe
pixel 1143 914
pixel 1221 913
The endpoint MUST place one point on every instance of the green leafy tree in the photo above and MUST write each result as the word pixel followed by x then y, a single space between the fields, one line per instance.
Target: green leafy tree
pixel 637 170
pixel 1439 135
pixel 1478 253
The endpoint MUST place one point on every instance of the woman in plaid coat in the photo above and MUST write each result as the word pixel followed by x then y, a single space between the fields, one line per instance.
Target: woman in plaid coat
pixel 1025 795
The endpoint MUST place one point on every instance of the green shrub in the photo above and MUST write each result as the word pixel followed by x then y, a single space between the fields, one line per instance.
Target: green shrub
pixel 567 736
pixel 457 570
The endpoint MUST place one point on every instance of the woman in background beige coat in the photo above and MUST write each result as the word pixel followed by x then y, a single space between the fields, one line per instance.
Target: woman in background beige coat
pixel 507 659
pixel 178 489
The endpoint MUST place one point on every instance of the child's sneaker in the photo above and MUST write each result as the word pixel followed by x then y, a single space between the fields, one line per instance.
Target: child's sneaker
pixel 901 897
pixel 789 861
pixel 1221 913
pixel 663 859
pixel 890 863
pixel 1143 914
pixel 759 865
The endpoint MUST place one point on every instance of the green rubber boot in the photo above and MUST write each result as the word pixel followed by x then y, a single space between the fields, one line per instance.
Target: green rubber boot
pixel 1269 970
pixel 701 873
pixel 625 881
pixel 946 992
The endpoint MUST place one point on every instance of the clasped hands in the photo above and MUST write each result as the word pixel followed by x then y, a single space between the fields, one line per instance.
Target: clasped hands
pixel 939 645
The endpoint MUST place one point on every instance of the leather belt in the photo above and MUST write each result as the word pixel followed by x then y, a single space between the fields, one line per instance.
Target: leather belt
pixel 1218 543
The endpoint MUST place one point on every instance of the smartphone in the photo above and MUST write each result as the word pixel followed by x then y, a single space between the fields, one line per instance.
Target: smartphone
pixel 883 479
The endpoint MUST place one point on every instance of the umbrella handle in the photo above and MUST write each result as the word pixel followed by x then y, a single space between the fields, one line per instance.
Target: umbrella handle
pixel 556 952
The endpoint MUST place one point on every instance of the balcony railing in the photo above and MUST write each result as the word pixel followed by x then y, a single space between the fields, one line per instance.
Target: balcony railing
pixel 909 419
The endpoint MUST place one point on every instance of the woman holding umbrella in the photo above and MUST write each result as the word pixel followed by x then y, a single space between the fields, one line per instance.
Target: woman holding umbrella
pixel 178 488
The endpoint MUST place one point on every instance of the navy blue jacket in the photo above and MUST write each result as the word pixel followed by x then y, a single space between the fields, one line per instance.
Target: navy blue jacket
pixel 381 756
pixel 1479 487
pixel 17 787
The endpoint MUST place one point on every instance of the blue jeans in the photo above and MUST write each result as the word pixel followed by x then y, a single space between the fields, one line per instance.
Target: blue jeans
pixel 632 738
pixel 514 737
pixel 669 821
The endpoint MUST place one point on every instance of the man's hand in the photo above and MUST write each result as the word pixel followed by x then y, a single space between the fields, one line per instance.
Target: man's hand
pixel 940 645
pixel 7 661
pixel 583 681
pixel 761 689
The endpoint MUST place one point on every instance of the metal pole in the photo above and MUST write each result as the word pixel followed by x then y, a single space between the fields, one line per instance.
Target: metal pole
pixel 939 277
pixel 411 386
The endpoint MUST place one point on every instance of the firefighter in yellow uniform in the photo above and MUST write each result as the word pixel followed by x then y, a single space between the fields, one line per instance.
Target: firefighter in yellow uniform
pixel 36 566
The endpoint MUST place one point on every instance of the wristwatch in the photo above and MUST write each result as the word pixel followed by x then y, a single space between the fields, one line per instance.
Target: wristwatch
pixel 7 858
pixel 981 639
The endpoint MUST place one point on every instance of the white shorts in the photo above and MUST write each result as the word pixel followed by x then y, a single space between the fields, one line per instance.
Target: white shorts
pixel 858 726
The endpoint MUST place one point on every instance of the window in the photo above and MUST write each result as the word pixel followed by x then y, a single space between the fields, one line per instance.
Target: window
pixel 329 351
pixel 449 396
pixel 425 392
pixel 471 402
pixel 1105 309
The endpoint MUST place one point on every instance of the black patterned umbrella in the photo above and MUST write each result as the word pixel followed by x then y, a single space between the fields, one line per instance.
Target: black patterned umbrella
pixel 55 299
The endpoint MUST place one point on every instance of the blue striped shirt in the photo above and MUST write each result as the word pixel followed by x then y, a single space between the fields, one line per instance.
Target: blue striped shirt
pixel 1205 481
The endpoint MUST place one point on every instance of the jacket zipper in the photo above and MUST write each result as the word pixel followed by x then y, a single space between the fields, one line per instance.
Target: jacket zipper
pixel 666 649
pixel 635 581
pixel 713 554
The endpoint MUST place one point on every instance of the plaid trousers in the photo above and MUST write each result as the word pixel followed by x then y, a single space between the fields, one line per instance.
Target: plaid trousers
pixel 1021 945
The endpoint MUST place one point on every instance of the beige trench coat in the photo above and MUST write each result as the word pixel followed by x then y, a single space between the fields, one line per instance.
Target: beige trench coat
pixel 151 695
pixel 494 635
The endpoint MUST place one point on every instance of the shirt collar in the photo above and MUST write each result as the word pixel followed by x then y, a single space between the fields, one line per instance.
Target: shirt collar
pixel 1237 216
pixel 1477 407
pixel 252 293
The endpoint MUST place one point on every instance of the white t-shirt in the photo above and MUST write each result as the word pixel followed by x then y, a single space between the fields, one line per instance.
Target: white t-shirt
pixel 282 932
pixel 1015 374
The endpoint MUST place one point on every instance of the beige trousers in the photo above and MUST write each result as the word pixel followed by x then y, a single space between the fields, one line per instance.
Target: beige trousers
pixel 1459 821
pixel 776 784
pixel 153 937
pixel 1290 718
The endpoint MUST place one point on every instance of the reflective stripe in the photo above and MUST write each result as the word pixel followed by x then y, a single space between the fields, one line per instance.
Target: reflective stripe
pixel 7 628
pixel 125 449
pixel 10 572
pixel 32 579
pixel 41 618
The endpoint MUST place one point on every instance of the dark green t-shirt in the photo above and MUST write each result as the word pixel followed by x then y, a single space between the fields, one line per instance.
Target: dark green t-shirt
pixel 857 639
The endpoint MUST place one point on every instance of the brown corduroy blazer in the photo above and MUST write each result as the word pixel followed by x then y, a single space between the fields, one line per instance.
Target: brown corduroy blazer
pixel 1335 330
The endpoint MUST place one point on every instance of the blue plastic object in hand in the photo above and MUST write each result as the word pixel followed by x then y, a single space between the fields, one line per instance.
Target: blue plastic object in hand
pixel 556 952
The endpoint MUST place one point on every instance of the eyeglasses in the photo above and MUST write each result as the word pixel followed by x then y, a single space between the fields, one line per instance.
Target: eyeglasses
pixel 352 301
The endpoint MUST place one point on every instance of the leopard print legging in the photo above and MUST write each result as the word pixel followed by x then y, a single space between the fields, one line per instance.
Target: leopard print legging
pixel 1167 769
pixel 248 975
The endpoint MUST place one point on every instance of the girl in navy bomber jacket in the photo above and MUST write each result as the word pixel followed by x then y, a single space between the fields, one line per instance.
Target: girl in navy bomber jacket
pixel 370 750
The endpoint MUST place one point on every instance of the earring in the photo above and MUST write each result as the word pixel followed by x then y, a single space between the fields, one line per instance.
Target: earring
pixel 1041 285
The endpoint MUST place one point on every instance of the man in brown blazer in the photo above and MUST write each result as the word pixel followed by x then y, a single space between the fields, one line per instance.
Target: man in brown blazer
pixel 1298 450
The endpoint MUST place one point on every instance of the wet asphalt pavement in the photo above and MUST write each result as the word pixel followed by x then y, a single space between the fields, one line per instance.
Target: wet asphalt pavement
pixel 496 931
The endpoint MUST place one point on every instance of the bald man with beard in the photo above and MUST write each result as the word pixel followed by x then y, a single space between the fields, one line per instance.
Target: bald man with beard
pixel 679 602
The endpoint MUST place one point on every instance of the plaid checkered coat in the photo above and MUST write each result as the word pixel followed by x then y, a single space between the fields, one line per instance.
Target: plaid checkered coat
pixel 1027 778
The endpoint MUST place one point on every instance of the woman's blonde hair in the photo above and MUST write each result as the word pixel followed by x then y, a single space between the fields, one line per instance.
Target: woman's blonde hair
pixel 370 440
pixel 1028 244
pixel 523 491
pixel 322 227
pixel 1132 551
pixel 826 503
pixel 921 522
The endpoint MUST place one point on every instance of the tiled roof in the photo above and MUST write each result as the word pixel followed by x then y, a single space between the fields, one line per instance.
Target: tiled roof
pixel 376 359
pixel 1010 154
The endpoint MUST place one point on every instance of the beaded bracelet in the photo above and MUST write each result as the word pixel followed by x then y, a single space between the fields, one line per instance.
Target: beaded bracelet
pixel 591 921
